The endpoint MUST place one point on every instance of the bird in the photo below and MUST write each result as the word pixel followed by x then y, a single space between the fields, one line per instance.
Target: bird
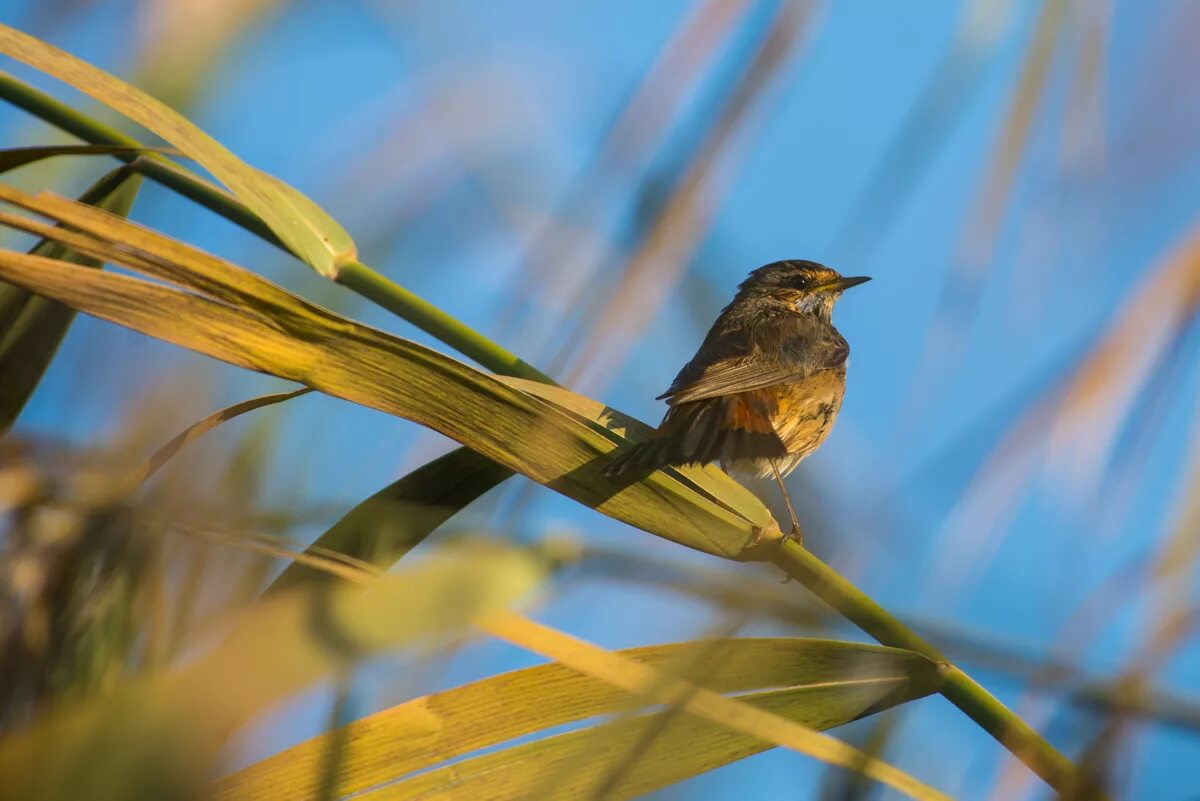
pixel 764 389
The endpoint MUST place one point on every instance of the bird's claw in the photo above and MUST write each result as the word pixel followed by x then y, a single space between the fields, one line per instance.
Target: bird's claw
pixel 797 535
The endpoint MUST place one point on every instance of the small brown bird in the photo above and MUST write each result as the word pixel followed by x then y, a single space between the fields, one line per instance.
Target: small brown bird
pixel 766 385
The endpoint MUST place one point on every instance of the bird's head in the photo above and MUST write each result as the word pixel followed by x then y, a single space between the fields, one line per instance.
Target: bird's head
pixel 805 287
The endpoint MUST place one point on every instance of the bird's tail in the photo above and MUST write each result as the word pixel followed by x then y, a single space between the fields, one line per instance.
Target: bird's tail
pixel 725 429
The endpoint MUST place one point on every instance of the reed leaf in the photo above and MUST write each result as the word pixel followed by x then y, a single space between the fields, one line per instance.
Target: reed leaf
pixel 677 748
pixel 299 223
pixel 201 427
pixel 231 314
pixel 32 327
pixel 818 683
pixel 393 521
pixel 656 687
pixel 354 275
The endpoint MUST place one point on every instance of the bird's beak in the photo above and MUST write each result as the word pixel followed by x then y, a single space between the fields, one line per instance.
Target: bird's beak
pixel 844 283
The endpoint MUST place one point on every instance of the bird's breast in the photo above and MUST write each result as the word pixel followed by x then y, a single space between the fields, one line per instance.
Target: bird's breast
pixel 806 410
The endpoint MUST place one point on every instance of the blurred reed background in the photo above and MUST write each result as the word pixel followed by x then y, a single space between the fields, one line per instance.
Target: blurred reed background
pixel 1016 470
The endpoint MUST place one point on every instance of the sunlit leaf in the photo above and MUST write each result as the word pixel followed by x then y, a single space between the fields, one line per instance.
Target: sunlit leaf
pixel 308 232
pixel 351 273
pixel 827 683
pixel 676 748
pixel 32 327
pixel 233 315
pixel 709 480
pixel 656 687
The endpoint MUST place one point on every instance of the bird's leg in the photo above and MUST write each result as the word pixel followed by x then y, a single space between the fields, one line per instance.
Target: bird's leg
pixel 796 533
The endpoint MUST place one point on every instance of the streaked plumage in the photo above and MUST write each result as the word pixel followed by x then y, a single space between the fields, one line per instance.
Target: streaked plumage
pixel 765 387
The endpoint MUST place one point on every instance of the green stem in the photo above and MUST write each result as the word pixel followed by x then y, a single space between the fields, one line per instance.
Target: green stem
pixel 995 718
pixel 355 276
pixel 957 687
pixel 384 292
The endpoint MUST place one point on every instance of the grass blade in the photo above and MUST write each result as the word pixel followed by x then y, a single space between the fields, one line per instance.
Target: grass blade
pixel 353 275
pixel 308 232
pixel 31 327
pixel 296 341
pixel 827 683
pixel 710 481
pixel 393 521
pixel 202 427
pixel 645 682
pixel 684 747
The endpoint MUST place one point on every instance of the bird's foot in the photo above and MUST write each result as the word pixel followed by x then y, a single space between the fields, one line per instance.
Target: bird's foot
pixel 795 534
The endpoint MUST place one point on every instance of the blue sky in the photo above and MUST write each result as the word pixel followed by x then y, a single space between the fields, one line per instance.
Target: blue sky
pixel 315 86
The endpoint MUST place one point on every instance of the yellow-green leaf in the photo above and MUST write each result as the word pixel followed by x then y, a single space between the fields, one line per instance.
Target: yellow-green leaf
pixel 234 315
pixel 299 223
pixel 31 327
pixel 629 758
pixel 709 480
pixel 653 686
pixel 827 683
pixel 396 519
pixel 202 427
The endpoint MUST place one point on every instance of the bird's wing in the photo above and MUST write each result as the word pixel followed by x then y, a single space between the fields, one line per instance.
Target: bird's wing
pixel 739 361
